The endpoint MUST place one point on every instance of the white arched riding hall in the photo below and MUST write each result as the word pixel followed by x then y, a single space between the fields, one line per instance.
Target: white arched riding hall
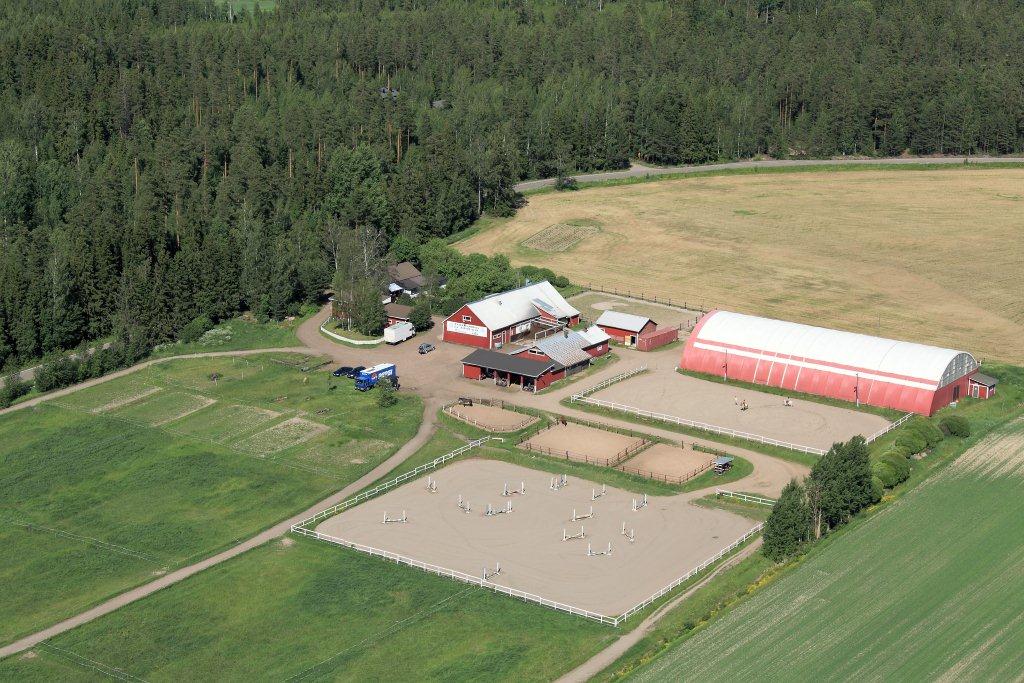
pixel 816 360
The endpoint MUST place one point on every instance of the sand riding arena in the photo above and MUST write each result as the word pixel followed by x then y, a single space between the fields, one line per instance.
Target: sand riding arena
pixel 802 424
pixel 568 544
pixel 575 441
pixel 670 463
pixel 490 416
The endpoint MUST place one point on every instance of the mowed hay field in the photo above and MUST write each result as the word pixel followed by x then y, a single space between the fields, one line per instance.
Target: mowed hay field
pixel 114 485
pixel 925 590
pixel 934 256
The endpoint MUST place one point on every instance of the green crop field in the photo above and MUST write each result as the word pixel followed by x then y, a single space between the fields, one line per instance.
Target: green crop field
pixel 119 483
pixel 925 589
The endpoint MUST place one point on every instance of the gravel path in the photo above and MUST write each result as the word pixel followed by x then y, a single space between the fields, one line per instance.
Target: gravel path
pixel 637 170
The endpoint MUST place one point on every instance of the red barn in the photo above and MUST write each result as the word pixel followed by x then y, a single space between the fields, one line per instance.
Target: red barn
pixel 625 328
pixel 815 360
pixel 502 318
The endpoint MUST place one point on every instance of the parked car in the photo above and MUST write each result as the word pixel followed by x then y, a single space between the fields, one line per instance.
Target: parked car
pixel 342 371
pixel 426 347
pixel 354 372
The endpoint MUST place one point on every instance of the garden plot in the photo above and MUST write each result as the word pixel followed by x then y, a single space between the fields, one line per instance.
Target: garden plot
pixel 281 436
pixel 224 422
pixel 560 237
pixel 165 406
pixel 110 395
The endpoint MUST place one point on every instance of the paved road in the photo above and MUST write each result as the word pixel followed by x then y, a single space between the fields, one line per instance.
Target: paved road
pixel 435 377
pixel 637 170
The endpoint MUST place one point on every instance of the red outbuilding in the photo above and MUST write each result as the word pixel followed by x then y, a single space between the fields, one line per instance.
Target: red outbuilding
pixel 982 386
pixel 625 328
pixel 529 373
pixel 516 314
pixel 814 360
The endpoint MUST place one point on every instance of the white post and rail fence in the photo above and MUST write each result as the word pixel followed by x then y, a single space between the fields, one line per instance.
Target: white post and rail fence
pixel 304 528
pixel 585 397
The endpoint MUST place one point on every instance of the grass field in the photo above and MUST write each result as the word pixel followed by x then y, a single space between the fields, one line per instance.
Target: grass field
pixel 100 492
pixel 928 255
pixel 299 609
pixel 238 334
pixel 914 593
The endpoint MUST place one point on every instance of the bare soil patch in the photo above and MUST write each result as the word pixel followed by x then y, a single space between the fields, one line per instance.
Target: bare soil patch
pixel 662 461
pixel 805 423
pixel 491 418
pixel 581 443
pixel 672 536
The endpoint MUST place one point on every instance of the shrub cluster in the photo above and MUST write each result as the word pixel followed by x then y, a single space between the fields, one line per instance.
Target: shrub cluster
pixel 195 329
pixel 13 389
pixel 956 425
pixel 65 371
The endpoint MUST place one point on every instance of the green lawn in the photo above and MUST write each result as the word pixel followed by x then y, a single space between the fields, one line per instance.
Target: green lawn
pixel 299 609
pixel 238 334
pixel 922 589
pixel 100 493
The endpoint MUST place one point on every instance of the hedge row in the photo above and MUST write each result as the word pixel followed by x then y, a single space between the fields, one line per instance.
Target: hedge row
pixel 920 434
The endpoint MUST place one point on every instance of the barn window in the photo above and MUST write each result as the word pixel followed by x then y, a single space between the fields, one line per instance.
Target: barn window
pixel 466 319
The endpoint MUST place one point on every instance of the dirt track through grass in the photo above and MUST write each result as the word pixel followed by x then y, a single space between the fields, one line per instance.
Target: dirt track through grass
pixel 928 255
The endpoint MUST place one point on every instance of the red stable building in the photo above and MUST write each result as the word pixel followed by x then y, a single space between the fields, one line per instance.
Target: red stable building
pixel 539 364
pixel 530 374
pixel 854 367
pixel 625 328
pixel 516 314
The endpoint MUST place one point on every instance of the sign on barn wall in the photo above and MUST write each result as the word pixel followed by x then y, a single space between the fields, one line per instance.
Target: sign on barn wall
pixel 463 328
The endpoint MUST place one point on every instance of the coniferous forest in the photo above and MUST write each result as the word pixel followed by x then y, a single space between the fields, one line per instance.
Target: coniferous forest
pixel 162 160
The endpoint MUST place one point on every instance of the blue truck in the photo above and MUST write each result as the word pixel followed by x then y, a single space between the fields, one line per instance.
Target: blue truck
pixel 370 377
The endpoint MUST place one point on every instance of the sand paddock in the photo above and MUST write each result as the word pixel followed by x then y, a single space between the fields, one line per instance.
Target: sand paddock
pixel 668 463
pixel 581 443
pixel 491 418
pixel 805 423
pixel 672 536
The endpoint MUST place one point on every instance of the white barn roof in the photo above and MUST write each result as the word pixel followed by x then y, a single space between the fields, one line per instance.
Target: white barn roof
pixel 835 347
pixel 594 335
pixel 622 321
pixel 517 305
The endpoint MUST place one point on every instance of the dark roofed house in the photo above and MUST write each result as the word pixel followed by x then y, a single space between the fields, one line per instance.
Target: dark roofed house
pixel 405 278
pixel 397 313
